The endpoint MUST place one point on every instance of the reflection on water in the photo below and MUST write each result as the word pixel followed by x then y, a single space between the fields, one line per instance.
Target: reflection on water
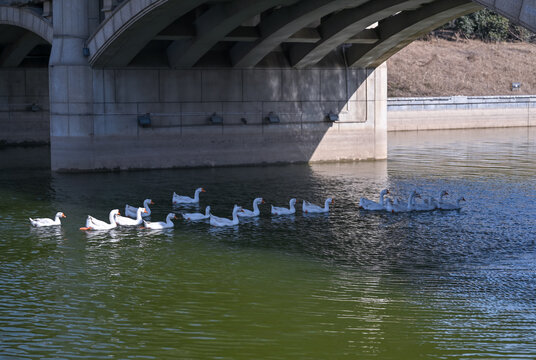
pixel 350 284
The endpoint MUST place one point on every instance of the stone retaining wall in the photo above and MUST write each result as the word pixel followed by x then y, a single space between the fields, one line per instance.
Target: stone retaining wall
pixel 460 112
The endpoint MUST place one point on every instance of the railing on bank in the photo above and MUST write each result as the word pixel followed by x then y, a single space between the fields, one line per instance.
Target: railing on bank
pixel 460 102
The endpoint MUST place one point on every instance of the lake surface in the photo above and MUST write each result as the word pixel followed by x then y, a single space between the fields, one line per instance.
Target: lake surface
pixel 347 285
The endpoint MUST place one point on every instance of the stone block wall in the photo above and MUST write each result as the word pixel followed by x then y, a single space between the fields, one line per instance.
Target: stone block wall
pixel 180 103
pixel 19 122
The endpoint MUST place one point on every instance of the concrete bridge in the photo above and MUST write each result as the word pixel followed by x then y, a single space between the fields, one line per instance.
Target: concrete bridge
pixel 163 83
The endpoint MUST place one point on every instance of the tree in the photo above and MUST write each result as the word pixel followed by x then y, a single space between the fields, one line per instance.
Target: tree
pixel 487 25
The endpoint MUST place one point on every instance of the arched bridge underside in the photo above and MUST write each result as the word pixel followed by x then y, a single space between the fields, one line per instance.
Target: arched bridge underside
pixel 275 33
pixel 25 37
pixel 164 83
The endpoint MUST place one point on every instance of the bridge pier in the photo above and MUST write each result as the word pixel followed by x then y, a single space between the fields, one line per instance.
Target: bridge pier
pixel 70 81
pixel 95 125
pixel 205 116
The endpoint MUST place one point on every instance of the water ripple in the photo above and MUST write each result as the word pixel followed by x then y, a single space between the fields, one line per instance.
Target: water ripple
pixel 349 284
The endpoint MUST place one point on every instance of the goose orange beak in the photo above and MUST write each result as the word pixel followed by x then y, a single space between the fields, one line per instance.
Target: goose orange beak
pixel 85 228
pixel 144 210
pixel 63 216
pixel 152 202
pixel 203 190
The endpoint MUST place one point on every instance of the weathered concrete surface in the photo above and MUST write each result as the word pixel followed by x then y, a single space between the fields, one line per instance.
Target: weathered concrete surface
pixel 20 123
pixel 182 135
pixel 461 113
pixel 70 76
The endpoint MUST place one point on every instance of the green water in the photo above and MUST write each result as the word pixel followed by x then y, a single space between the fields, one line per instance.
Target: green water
pixel 346 285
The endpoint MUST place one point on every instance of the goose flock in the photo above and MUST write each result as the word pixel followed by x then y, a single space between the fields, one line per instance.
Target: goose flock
pixel 135 215
pixel 396 205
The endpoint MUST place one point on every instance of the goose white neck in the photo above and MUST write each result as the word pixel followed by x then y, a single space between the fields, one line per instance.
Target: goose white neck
pixel 57 218
pixel 112 215
pixel 196 195
pixel 207 211
pixel 138 213
pixel 326 204
pixel 382 194
pixel 256 203
pixel 292 203
pixel 146 204
pixel 235 214
pixel 169 217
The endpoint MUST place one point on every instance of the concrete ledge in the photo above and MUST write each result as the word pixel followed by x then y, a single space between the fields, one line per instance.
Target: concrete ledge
pixel 460 112
pixel 211 146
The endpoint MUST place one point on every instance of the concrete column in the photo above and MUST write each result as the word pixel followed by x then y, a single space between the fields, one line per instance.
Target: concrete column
pixel 70 83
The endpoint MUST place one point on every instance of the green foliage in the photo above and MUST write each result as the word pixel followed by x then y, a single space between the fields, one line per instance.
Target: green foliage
pixel 487 25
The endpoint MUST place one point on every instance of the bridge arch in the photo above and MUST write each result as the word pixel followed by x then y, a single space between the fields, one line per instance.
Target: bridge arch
pixel 398 31
pixel 28 20
pixel 132 25
pixel 24 116
pixel 306 30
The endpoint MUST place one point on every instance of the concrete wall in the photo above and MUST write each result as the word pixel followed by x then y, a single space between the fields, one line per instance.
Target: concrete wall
pixel 19 89
pixel 461 112
pixel 181 101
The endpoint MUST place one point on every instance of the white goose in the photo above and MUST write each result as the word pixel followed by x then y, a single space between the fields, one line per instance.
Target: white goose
pixel 367 204
pixel 96 224
pixel 308 207
pixel 197 216
pixel 132 211
pixel 410 206
pixel 160 224
pixel 431 203
pixel 219 221
pixel 389 207
pixel 255 212
pixel 40 222
pixel 442 193
pixel 126 221
pixel 283 210
pixel 449 206
pixel 181 199
pixel 428 204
